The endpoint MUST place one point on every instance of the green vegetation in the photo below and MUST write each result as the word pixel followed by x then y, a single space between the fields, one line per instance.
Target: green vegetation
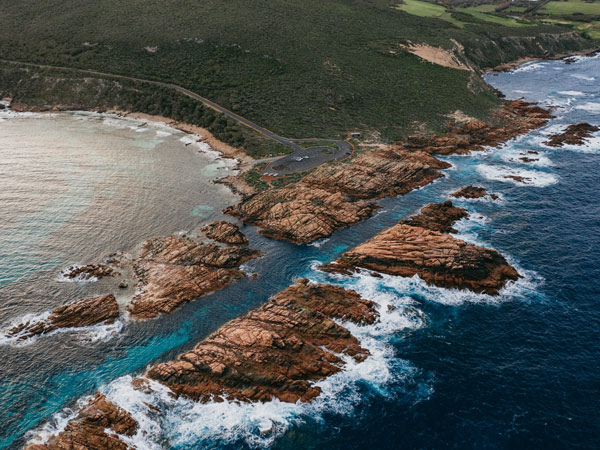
pixel 254 175
pixel 307 144
pixel 305 68
pixel 571 7
pixel 42 89
pixel 428 9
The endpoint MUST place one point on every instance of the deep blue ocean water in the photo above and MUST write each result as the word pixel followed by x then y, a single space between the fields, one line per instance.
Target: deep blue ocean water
pixel 449 369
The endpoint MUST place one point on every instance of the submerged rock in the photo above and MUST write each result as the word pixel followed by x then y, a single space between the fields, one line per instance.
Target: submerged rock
pixel 422 246
pixel 97 426
pixel 473 192
pixel 225 232
pixel 276 351
pixel 82 313
pixel 89 272
pixel 575 134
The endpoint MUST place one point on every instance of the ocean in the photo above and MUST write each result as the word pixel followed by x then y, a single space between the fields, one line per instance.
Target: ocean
pixel 448 368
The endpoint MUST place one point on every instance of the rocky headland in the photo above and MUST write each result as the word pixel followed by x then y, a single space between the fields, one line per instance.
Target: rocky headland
pixel 423 246
pixel 82 313
pixel 278 350
pixel 473 192
pixel 575 134
pixel 338 195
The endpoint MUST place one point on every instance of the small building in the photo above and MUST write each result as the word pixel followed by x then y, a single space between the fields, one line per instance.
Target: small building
pixel 355 134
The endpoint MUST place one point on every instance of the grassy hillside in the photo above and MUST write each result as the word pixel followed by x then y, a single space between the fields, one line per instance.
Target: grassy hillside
pixel 301 68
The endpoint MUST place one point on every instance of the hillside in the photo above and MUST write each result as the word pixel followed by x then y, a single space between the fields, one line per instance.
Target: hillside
pixel 302 69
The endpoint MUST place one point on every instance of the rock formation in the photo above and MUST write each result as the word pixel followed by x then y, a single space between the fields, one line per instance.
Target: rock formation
pixel 421 245
pixel 82 313
pixel 171 271
pixel 279 350
pixel 89 272
pixel 225 232
pixel 515 118
pixel 473 192
pixel 335 196
pixel 338 195
pixel 575 134
pixel 276 351
pixel 95 428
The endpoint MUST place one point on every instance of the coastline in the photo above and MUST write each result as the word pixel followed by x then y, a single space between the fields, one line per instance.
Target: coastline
pixel 170 122
pixel 512 65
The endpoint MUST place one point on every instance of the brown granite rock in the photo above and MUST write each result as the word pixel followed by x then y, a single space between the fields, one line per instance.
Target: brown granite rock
pixel 172 271
pixel 95 428
pixel 575 134
pixel 276 351
pixel 82 313
pixel 89 271
pixel 225 232
pixel 473 192
pixel 515 118
pixel 421 245
pixel 335 196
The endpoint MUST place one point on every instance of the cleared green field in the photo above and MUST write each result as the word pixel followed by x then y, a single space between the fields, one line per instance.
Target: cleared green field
pixel 427 9
pixel 571 7
pixel 504 21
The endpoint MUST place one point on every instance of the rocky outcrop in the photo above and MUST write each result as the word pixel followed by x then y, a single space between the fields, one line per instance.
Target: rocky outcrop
pixel 82 313
pixel 89 272
pixel 473 192
pixel 575 134
pixel 422 246
pixel 515 118
pixel 171 271
pixel 276 351
pixel 338 195
pixel 225 232
pixel 96 427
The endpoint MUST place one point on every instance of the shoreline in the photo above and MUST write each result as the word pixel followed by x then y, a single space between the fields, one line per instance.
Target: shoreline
pixel 512 65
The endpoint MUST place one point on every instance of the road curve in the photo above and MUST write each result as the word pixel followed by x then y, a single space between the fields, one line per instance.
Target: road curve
pixel 299 160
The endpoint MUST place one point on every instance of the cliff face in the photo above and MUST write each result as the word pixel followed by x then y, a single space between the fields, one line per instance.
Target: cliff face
pixel 499 50
pixel 422 246
pixel 335 196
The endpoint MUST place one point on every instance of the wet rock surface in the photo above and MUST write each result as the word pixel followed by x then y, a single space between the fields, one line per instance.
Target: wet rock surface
pixel 276 351
pixel 82 313
pixel 472 192
pixel 89 272
pixel 575 134
pixel 225 232
pixel 422 246
pixel 96 427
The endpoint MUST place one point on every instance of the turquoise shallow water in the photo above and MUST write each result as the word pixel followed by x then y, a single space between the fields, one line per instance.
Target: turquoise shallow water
pixel 449 369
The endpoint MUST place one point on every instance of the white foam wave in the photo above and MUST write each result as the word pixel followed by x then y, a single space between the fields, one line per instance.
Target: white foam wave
pixel 56 425
pixel 318 243
pixel 591 107
pixel 518 176
pixel 530 67
pixel 583 77
pixel 160 133
pixel 522 157
pixel 90 334
pixel 572 93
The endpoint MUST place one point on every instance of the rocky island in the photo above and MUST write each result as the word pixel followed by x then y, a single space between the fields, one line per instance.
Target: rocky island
pixel 575 134
pixel 423 246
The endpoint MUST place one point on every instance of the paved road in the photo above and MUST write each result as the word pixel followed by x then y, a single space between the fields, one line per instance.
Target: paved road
pixel 299 160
